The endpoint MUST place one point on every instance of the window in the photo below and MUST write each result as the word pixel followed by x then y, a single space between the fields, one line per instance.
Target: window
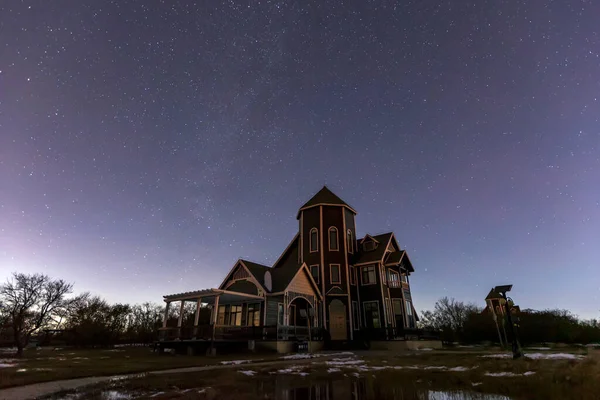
pixel 279 313
pixel 314 240
pixel 314 271
pixel 350 241
pixel 333 239
pixel 404 278
pixel 222 315
pixel 397 307
pixel 253 315
pixel 352 275
pixel 371 309
pixel 394 279
pixel 355 316
pixel 334 273
pixel 235 316
pixel 409 315
pixel 368 275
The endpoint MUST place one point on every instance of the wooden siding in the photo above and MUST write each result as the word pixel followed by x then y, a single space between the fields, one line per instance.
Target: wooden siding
pixel 243 286
pixel 369 292
pixel 240 273
pixel 271 309
pixel 332 216
pixel 310 219
pixel 301 284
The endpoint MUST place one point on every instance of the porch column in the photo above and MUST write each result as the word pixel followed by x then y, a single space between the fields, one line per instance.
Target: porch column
pixel 166 316
pixel 215 318
pixel 197 317
pixel 180 322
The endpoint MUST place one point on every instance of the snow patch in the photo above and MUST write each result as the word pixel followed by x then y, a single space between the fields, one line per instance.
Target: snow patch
pixel 539 348
pixel 331 370
pixel 248 372
pixel 459 369
pixel 301 356
pixel 540 356
pixel 508 374
pixel 115 395
pixel 476 383
pixel 344 361
pixel 554 356
pixel 236 362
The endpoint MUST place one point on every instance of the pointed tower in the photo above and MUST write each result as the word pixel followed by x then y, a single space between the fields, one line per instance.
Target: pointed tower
pixel 327 237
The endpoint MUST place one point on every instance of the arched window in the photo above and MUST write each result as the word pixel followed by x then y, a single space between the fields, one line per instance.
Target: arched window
pixel 314 240
pixel 333 239
pixel 350 241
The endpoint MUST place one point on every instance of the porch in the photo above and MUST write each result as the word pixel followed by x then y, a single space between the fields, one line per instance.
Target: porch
pixel 219 315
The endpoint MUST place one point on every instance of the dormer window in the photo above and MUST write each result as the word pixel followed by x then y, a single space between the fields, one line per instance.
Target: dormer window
pixel 350 241
pixel 369 246
pixel 314 240
pixel 333 239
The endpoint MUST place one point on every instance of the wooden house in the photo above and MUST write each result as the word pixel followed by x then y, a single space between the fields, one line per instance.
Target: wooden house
pixel 343 287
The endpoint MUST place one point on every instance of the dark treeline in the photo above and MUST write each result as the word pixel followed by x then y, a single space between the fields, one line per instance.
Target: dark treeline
pixel 39 308
pixel 465 323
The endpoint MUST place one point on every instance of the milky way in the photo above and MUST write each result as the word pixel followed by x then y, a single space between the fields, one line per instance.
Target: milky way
pixel 145 146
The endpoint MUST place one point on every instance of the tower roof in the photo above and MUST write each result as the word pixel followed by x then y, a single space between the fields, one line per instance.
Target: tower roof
pixel 325 197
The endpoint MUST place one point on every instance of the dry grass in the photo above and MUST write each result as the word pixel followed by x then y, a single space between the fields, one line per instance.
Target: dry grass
pixel 553 379
pixel 49 365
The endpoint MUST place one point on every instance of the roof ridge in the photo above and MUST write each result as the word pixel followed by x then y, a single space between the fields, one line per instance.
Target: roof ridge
pixel 254 262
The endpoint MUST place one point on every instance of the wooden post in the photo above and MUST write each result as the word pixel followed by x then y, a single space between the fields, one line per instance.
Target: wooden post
pixel 166 316
pixel 309 332
pixel 197 317
pixel 215 319
pixel 180 322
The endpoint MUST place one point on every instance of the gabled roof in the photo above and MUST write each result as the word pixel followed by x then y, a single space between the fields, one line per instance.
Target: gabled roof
pixel 395 257
pixel 363 257
pixel 493 294
pixel 324 197
pixel 290 251
pixel 398 257
pixel 367 236
pixel 283 276
pixel 257 270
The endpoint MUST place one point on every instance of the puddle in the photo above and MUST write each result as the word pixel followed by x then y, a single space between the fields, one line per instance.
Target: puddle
pixel 355 388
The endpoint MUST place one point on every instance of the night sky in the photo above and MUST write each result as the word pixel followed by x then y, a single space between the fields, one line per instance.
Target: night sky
pixel 145 146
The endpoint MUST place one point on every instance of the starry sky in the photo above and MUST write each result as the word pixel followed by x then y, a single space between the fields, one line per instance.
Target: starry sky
pixel 147 145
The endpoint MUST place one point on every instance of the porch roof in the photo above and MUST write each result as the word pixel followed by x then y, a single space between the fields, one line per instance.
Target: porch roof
pixel 209 295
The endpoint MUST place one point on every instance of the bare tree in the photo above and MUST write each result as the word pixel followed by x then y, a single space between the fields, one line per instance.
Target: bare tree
pixel 448 314
pixel 31 302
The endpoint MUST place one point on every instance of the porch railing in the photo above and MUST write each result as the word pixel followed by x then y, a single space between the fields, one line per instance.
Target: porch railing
pixel 273 332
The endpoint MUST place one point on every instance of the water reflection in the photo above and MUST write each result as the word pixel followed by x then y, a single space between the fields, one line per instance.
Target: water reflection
pixel 350 388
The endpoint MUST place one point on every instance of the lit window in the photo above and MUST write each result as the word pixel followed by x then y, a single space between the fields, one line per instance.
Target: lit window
pixel 314 240
pixel 333 238
pixel 235 316
pixel 253 318
pixel 334 270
